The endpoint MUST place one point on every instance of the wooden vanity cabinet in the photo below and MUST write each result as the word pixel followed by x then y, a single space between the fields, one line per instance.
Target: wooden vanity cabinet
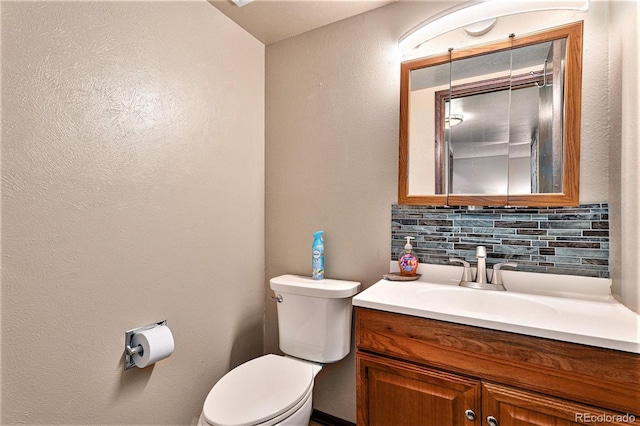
pixel 515 407
pixel 416 371
pixel 399 393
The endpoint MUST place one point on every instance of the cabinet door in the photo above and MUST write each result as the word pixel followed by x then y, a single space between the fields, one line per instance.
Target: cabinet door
pixel 514 407
pixel 401 394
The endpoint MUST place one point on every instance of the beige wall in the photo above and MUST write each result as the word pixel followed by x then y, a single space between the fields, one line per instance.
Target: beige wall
pixel 133 191
pixel 624 153
pixel 331 147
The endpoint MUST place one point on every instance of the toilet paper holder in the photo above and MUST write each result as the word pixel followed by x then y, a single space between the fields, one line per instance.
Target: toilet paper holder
pixel 130 351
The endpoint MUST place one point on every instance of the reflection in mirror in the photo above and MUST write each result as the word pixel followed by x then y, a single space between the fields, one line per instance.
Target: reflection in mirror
pixel 479 149
pixel 425 83
pixel 546 144
pixel 504 130
pixel 505 139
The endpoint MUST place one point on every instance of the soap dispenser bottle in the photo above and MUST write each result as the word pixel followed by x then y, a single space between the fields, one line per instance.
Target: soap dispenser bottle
pixel 408 262
pixel 317 258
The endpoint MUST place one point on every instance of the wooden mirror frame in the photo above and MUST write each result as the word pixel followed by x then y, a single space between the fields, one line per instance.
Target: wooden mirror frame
pixel 571 131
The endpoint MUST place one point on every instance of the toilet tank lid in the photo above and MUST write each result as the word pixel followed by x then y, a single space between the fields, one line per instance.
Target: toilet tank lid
pixel 306 286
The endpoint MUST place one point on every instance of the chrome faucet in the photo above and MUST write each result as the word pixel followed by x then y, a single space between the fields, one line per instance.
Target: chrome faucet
pixel 481 281
pixel 481 271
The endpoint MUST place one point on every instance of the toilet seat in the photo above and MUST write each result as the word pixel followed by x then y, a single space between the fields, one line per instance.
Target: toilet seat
pixel 262 391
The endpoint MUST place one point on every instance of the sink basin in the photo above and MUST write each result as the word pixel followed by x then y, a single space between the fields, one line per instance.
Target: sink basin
pixel 484 303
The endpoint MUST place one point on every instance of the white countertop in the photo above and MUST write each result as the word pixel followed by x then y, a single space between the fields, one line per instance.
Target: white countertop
pixel 591 320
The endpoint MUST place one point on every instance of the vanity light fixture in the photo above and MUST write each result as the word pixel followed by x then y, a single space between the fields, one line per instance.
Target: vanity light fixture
pixel 453 120
pixel 475 11
pixel 480 28
pixel 241 3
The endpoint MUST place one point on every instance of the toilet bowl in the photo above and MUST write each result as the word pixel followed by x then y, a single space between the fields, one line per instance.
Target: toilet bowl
pixel 314 325
pixel 269 390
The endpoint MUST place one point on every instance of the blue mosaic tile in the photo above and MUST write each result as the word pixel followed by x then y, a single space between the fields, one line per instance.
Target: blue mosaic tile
pixel 521 242
pixel 592 254
pixel 596 234
pixel 515 249
pixel 519 224
pixel 474 223
pixel 562 259
pixel 568 224
pixel 495 231
pixel 573 241
pixel 565 232
pixel 480 241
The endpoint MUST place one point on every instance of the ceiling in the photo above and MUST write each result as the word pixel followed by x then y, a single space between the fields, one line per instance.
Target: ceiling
pixel 273 20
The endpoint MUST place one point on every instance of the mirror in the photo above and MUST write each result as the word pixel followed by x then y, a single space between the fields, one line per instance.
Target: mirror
pixel 497 124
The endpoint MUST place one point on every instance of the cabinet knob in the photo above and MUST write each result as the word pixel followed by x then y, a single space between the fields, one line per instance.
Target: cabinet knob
pixel 470 415
pixel 492 421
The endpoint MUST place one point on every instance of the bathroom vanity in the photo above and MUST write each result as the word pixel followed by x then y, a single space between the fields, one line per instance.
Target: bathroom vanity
pixel 439 368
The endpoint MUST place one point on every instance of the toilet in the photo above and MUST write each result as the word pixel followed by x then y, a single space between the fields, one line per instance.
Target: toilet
pixel 314 325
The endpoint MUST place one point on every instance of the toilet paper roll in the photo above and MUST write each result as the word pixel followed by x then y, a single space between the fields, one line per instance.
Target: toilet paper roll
pixel 157 343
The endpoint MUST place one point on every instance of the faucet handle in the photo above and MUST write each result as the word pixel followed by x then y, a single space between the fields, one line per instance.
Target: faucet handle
pixel 466 272
pixel 500 265
pixel 456 260
pixel 497 277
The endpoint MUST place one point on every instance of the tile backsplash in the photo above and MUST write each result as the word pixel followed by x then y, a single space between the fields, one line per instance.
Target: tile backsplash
pixel 556 240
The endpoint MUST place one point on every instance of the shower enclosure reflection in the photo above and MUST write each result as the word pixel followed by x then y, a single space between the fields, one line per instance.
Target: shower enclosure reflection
pixel 506 133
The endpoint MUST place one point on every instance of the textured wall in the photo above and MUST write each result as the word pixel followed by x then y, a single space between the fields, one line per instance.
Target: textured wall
pixel 332 147
pixel 624 152
pixel 133 191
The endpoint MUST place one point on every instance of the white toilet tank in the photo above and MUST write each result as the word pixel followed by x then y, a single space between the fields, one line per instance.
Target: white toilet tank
pixel 314 316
